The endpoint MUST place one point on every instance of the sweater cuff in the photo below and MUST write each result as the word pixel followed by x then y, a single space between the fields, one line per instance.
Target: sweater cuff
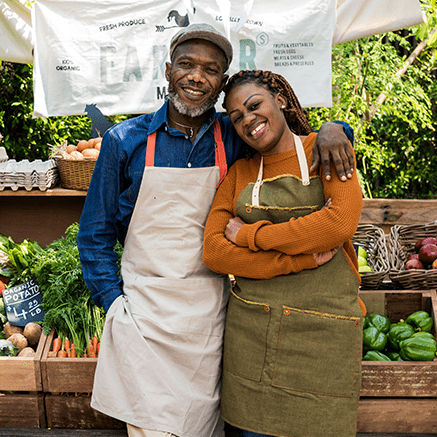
pixel 247 233
pixel 305 262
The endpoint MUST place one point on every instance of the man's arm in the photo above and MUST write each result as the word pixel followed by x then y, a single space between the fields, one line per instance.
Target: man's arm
pixel 332 145
pixel 97 236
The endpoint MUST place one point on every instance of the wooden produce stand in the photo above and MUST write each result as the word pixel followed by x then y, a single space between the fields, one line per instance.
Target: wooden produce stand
pixel 67 385
pixel 399 396
pixel 21 397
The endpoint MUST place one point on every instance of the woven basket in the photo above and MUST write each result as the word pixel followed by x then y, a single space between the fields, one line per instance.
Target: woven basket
pixel 372 239
pixel 402 240
pixel 75 175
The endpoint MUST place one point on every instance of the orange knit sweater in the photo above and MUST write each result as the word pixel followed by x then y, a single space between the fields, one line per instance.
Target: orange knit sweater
pixel 264 249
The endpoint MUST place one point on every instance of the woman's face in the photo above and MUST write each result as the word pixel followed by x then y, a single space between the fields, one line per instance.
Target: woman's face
pixel 258 119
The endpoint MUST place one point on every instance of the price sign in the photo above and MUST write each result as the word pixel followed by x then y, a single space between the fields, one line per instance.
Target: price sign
pixel 23 303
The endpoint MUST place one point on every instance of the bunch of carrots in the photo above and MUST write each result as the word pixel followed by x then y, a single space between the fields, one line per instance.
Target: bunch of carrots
pixel 64 348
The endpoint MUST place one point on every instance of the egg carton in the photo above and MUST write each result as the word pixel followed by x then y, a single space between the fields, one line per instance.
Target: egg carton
pixel 28 174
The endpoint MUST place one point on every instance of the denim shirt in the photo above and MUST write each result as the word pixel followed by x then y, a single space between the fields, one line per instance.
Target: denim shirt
pixel 116 182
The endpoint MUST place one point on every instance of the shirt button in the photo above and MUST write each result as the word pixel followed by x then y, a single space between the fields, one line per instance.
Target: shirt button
pixel 186 137
pixel 189 165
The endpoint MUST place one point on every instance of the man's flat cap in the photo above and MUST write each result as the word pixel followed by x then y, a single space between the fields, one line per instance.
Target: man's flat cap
pixel 206 32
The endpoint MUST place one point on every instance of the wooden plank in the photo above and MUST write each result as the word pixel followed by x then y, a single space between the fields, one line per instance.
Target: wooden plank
pixel 397 415
pixel 73 375
pixel 22 410
pixel 70 411
pixel 22 373
pixel 399 378
pixel 389 212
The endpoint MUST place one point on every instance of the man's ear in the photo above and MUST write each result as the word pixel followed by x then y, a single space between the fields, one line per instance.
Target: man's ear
pixel 224 81
pixel 167 71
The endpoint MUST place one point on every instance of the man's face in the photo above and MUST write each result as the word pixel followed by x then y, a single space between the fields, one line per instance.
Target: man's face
pixel 196 77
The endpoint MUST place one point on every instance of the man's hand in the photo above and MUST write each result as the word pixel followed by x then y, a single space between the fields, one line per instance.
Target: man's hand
pixel 324 257
pixel 232 228
pixel 332 145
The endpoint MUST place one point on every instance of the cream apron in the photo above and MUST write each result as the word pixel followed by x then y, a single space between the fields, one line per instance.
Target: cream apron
pixel 160 362
pixel 292 351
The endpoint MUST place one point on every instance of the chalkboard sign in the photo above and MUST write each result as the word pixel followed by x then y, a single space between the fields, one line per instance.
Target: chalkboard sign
pixel 23 303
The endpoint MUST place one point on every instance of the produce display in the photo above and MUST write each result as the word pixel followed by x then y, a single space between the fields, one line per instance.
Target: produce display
pixel 407 340
pixel 67 301
pixel 19 341
pixel 363 265
pixel 83 150
pixel 425 256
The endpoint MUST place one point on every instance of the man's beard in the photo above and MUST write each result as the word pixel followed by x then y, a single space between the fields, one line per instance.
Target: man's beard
pixel 190 112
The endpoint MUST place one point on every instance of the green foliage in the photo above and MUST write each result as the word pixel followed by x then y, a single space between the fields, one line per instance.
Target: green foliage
pixel 396 145
pixel 25 137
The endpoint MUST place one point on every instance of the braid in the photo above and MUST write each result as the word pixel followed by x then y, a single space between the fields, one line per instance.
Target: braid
pixel 295 115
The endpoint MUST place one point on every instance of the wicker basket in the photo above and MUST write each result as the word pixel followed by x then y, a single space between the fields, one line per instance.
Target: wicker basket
pixel 402 240
pixel 75 175
pixel 373 241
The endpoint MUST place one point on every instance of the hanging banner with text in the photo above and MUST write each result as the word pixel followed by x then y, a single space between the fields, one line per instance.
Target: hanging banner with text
pixel 112 53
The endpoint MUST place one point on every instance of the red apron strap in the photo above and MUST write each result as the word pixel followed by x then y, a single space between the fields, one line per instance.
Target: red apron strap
pixel 150 152
pixel 220 154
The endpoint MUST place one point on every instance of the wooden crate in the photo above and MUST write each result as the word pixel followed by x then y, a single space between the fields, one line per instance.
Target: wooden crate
pixel 70 375
pixel 73 411
pixel 22 373
pixel 399 396
pixel 18 410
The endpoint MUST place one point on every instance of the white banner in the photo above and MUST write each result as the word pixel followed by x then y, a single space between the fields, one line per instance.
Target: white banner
pixel 113 53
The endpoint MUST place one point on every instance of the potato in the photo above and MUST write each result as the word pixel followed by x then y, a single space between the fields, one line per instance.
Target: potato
pixel 77 156
pixel 32 331
pixel 19 341
pixel 82 145
pixel 9 329
pixel 27 352
pixel 90 153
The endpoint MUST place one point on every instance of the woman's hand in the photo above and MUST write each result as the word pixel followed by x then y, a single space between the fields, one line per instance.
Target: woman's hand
pixel 232 228
pixel 332 144
pixel 324 257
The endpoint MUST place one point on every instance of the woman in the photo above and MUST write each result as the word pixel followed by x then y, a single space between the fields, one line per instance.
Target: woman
pixel 292 351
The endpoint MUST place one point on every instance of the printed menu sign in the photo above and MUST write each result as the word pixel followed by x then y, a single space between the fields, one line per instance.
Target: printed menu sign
pixel 23 303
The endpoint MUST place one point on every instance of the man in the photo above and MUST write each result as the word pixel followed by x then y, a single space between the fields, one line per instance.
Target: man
pixel 152 188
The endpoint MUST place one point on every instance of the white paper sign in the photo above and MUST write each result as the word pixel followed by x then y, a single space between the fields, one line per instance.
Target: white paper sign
pixel 112 53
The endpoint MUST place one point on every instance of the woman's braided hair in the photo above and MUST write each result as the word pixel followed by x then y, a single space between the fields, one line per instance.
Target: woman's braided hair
pixel 295 115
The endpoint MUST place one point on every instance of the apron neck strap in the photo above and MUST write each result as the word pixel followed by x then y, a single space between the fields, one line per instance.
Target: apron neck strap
pixel 302 164
pixel 220 154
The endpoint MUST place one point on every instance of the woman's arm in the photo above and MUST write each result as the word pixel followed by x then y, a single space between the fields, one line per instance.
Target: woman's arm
pixel 316 232
pixel 223 256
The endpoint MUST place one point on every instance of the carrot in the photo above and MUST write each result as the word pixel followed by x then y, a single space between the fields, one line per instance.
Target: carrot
pixel 98 349
pixel 85 356
pixel 73 351
pixel 62 353
pixel 94 342
pixel 67 346
pixel 57 344
pixel 91 352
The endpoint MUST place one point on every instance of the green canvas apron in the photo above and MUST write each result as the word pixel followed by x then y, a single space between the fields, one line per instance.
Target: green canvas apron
pixel 292 354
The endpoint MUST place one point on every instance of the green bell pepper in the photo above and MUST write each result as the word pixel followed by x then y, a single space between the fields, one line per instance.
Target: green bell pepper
pixel 420 321
pixel 373 339
pixel 398 332
pixel 366 322
pixel 418 348
pixel 375 356
pixel 394 356
pixel 382 323
pixel 423 334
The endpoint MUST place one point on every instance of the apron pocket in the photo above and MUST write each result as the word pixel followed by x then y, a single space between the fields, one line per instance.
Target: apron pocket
pixel 317 352
pixel 245 337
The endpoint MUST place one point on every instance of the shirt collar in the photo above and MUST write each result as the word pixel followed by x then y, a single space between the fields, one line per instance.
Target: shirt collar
pixel 160 118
